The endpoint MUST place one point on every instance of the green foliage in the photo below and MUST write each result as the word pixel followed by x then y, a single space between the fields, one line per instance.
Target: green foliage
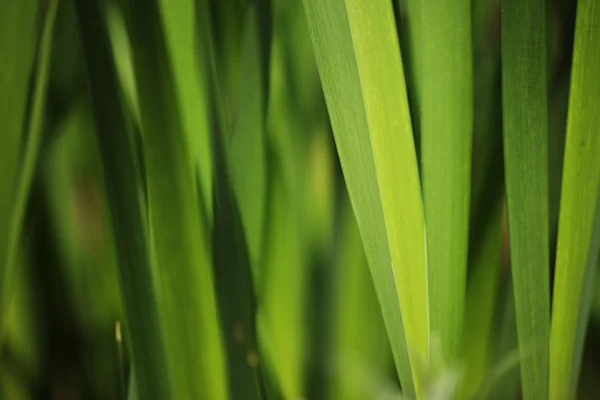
pixel 440 43
pixel 581 176
pixel 272 199
pixel 525 117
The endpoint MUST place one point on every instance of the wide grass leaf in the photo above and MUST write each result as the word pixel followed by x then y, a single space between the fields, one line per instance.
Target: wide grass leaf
pixel 363 80
pixel 525 117
pixel 439 35
pixel 581 175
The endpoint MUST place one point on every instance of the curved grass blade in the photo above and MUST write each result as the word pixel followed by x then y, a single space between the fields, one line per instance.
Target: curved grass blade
pixel 14 87
pixel 179 240
pixel 440 40
pixel 138 277
pixel 581 176
pixel 363 79
pixel 525 117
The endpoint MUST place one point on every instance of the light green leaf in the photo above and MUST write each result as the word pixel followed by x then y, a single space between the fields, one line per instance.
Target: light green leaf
pixel 363 80
pixel 581 175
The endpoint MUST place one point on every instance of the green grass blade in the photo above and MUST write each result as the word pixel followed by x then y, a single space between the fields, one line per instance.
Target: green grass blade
pixel 17 173
pixel 186 64
pixel 481 305
pixel 506 386
pixel 233 276
pixel 525 116
pixel 363 80
pixel 587 297
pixel 581 175
pixel 281 317
pixel 139 280
pixel 180 243
pixel 246 148
pixel 360 353
pixel 440 40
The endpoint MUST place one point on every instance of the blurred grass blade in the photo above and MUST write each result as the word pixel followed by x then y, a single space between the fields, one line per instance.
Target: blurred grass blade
pixel 139 280
pixel 361 354
pixel 590 282
pixel 506 387
pixel 233 276
pixel 132 391
pixel 581 174
pixel 121 49
pixel 363 80
pixel 246 148
pixel 481 306
pixel 525 116
pixel 186 65
pixel 440 41
pixel 17 168
pixel 282 313
pixel 179 239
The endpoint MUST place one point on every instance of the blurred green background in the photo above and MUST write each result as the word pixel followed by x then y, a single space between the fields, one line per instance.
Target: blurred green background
pixel 319 326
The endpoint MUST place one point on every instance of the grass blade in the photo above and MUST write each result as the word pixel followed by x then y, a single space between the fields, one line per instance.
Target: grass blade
pixel 179 240
pixel 187 70
pixel 440 40
pixel 138 278
pixel 481 305
pixel 282 298
pixel 581 175
pixel 360 351
pixel 233 276
pixel 587 297
pixel 363 80
pixel 14 86
pixel 525 116
pixel 246 148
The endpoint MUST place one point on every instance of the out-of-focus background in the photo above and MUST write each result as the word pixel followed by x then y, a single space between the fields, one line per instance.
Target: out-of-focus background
pixel 65 336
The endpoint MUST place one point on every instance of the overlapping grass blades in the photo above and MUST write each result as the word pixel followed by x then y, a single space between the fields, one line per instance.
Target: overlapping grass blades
pixel 581 176
pixel 187 66
pixel 233 276
pixel 138 278
pixel 178 235
pixel 525 117
pixel 18 167
pixel 363 79
pixel 440 42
